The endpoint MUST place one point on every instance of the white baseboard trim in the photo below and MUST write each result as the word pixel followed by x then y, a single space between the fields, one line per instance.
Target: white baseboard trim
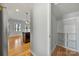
pixel 61 45
pixel 53 49
pixel 72 49
pixel 33 53
pixel 69 48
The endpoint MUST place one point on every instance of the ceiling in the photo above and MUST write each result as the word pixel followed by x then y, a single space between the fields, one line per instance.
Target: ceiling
pixel 62 9
pixel 17 10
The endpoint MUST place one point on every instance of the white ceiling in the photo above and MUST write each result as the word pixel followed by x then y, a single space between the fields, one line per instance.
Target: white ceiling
pixel 59 9
pixel 65 8
pixel 22 7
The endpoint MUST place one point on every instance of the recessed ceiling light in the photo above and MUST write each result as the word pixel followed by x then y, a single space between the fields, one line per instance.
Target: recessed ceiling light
pixel 17 10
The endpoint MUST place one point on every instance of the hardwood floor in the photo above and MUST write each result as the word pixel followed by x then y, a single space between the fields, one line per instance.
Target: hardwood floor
pixel 60 51
pixel 16 47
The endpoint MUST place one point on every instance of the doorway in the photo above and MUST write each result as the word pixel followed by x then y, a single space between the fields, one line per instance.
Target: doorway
pixel 18 29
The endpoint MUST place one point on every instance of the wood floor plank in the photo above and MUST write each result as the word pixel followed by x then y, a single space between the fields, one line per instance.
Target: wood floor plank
pixel 22 49
pixel 61 51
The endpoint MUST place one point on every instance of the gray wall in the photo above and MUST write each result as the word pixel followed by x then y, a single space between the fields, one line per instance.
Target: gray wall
pixel 40 30
pixel 77 36
pixel 5 36
pixel 60 32
pixel 1 31
pixel 60 26
pixel 12 28
pixel 53 29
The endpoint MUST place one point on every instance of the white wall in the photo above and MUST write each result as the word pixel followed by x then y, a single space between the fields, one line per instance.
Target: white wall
pixel 40 29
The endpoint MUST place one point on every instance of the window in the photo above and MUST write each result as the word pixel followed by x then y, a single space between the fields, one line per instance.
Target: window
pixel 18 27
